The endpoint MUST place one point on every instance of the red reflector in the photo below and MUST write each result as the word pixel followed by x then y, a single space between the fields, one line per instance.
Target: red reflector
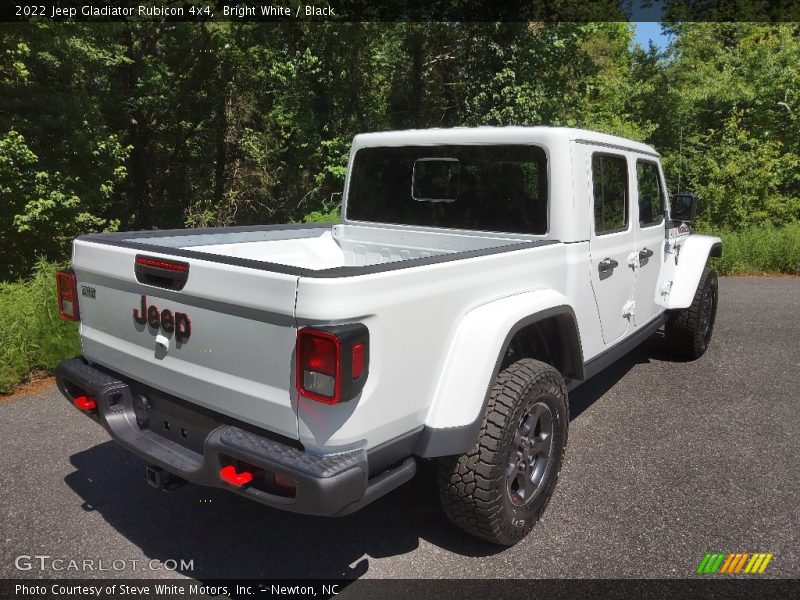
pixel 358 360
pixel 161 264
pixel 318 354
pixel 229 475
pixel 67 287
pixel 85 403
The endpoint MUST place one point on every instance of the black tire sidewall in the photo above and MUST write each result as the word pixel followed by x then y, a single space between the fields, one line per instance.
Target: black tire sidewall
pixel 710 284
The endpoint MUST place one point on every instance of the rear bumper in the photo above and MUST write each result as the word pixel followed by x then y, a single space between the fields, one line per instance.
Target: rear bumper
pixel 325 485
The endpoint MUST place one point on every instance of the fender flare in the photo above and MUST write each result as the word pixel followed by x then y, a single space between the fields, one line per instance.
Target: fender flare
pixel 476 354
pixel 694 254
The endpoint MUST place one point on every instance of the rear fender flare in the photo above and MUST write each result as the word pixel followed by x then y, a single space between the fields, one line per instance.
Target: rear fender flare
pixel 476 353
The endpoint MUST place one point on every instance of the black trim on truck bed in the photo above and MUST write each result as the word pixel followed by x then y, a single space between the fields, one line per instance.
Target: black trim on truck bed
pixel 324 485
pixel 123 240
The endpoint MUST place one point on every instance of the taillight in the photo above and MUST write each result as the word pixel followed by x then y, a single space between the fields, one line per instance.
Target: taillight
pixel 67 296
pixel 318 353
pixel 332 362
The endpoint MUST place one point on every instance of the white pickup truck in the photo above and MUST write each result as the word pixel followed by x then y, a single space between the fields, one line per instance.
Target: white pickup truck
pixel 476 276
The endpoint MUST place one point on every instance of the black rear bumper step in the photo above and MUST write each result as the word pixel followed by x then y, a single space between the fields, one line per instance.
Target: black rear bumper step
pixel 325 485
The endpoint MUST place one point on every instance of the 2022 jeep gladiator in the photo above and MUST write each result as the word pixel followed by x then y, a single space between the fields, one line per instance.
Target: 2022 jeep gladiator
pixel 477 276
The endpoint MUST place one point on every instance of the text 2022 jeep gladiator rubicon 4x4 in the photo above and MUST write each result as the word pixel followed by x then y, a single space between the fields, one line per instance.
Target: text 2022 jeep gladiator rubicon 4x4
pixel 476 276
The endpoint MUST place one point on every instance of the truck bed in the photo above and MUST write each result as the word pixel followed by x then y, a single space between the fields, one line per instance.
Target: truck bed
pixel 329 250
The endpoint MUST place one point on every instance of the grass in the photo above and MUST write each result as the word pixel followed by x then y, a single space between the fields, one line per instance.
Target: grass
pixel 759 250
pixel 32 335
pixel 34 338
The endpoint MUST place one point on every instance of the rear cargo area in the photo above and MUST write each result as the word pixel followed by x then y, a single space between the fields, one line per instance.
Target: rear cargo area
pixel 320 248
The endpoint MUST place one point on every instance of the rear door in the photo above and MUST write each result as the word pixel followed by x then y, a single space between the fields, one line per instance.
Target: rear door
pixel 649 238
pixel 237 356
pixel 611 242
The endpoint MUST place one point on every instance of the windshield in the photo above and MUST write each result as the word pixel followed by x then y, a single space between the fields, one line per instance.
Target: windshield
pixel 500 188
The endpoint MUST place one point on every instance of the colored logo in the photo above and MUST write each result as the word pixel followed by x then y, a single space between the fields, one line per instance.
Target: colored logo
pixel 734 562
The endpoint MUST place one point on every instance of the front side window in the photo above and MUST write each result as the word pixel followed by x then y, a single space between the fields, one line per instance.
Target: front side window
pixel 610 183
pixel 500 188
pixel 651 195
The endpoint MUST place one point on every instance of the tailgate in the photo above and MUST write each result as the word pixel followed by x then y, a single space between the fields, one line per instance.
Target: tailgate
pixel 237 356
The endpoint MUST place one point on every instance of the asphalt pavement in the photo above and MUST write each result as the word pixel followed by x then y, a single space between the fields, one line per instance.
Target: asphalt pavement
pixel 667 460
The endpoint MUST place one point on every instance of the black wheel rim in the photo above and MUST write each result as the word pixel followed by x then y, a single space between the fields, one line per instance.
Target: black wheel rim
pixel 707 312
pixel 530 455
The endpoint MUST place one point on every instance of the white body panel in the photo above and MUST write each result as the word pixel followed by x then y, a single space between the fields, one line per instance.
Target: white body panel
pixel 438 303
pixel 415 317
pixel 480 338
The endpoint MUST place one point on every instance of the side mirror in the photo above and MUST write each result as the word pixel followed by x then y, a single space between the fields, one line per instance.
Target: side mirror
pixel 683 207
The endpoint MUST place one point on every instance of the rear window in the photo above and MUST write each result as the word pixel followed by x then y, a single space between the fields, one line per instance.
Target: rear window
pixel 499 188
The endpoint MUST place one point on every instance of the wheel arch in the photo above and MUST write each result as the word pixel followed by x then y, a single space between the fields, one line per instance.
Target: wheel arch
pixel 692 259
pixel 550 336
pixel 480 350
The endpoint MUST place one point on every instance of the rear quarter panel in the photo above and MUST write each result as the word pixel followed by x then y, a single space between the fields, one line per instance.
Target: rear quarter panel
pixel 413 315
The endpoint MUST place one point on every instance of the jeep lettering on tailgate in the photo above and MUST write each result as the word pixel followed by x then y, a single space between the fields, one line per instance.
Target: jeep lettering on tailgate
pixel 167 321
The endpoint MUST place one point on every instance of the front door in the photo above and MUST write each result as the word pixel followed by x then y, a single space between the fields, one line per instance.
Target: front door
pixel 612 243
pixel 649 239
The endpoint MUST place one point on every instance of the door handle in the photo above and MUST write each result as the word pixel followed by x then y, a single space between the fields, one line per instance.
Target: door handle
pixel 645 253
pixel 607 264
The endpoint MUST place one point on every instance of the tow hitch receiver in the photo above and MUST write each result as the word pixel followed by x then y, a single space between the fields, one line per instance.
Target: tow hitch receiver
pixel 229 475
pixel 163 480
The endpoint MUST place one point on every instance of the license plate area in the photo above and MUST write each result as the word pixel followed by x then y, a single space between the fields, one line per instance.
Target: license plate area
pixel 176 420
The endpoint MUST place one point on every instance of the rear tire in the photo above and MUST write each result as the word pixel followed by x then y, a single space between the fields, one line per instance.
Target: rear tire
pixel 499 489
pixel 688 331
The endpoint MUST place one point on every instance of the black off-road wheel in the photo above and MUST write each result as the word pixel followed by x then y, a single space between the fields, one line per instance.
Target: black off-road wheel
pixel 499 489
pixel 688 331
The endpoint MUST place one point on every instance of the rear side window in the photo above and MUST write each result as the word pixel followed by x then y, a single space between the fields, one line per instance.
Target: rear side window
pixel 500 188
pixel 610 182
pixel 651 195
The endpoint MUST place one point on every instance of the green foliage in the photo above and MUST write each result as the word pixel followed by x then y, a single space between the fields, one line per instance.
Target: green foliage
pixel 331 212
pixel 32 335
pixel 759 249
pixel 741 179
pixel 318 216
pixel 140 125
pixel 42 210
pixel 144 124
pixel 731 129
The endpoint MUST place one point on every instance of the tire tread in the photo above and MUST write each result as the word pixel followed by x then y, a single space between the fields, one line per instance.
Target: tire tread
pixel 469 489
